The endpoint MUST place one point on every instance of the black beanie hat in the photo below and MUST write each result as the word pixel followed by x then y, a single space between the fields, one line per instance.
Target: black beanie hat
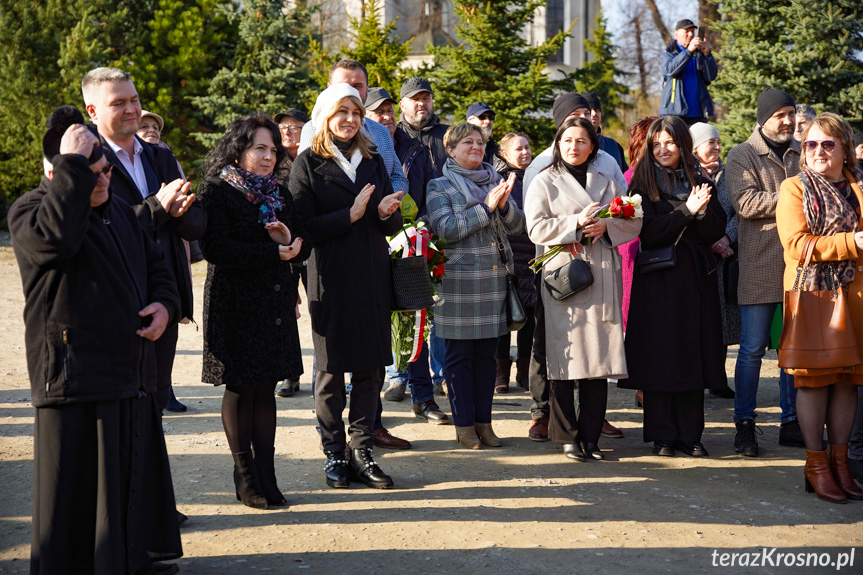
pixel 60 120
pixel 566 104
pixel 593 100
pixel 771 100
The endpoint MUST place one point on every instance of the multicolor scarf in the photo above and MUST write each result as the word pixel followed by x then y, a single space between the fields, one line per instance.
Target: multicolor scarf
pixel 828 212
pixel 260 190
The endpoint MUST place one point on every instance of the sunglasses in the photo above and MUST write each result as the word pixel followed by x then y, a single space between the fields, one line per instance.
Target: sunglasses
pixel 107 169
pixel 826 145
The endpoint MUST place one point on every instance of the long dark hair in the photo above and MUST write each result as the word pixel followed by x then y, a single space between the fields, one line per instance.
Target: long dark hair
pixel 644 178
pixel 557 161
pixel 238 137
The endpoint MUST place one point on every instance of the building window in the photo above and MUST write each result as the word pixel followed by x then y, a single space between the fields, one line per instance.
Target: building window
pixel 553 25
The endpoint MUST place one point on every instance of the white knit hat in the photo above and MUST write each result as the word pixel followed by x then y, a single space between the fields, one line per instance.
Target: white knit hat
pixel 328 98
pixel 701 132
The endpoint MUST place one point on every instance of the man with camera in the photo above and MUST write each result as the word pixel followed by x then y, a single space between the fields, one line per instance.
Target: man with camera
pixel 688 67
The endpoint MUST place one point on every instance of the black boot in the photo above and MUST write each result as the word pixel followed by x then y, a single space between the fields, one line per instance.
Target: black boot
pixel 245 481
pixel 363 468
pixel 522 367
pixel 337 469
pixel 267 476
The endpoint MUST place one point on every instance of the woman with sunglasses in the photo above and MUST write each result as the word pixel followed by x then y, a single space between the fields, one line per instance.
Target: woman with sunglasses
pixel 824 201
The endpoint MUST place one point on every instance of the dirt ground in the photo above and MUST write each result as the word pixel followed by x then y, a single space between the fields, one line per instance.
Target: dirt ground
pixel 523 508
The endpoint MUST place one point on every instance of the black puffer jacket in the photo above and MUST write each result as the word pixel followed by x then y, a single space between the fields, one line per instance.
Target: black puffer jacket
pixel 87 272
pixel 523 250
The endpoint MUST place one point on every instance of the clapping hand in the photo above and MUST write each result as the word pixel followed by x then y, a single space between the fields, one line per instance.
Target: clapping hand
pixel 279 232
pixel 390 204
pixel 498 195
pixel 175 197
pixel 290 252
pixel 698 199
pixel 358 209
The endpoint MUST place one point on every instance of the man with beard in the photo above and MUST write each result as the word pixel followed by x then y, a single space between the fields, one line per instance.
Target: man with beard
pixel 755 169
pixel 420 121
pixel 481 116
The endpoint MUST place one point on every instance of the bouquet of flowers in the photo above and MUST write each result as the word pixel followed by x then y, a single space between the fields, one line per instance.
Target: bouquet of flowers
pixel 626 208
pixel 409 329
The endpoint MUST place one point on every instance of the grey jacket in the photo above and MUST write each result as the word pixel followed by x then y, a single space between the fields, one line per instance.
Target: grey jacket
pixel 754 173
pixel 474 282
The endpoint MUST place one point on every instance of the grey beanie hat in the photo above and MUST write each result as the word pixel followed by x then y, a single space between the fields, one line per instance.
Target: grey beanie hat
pixel 701 132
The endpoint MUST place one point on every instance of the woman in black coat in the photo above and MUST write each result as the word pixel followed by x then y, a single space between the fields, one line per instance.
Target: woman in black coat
pixel 251 339
pixel 514 157
pixel 344 197
pixel 674 347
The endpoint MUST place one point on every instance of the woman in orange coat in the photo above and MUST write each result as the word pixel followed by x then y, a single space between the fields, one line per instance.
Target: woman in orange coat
pixel 824 201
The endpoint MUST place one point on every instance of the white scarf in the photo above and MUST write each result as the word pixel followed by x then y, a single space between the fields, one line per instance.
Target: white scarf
pixel 348 167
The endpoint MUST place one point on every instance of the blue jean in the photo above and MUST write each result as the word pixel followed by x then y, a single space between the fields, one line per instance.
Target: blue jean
pixel 416 376
pixel 755 322
pixel 436 355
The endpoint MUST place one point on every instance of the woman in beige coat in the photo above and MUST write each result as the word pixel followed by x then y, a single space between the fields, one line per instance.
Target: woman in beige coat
pixel 584 331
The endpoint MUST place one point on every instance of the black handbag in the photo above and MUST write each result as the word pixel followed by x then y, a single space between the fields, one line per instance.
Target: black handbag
pixel 411 284
pixel 516 316
pixel 569 279
pixel 731 276
pixel 655 259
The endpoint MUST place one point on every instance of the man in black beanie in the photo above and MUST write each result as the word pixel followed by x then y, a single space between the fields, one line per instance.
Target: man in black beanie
pixel 755 169
pixel 606 144
pixel 567 105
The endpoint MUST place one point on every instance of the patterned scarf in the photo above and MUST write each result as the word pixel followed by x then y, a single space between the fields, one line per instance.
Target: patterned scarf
pixel 260 190
pixel 828 212
pixel 474 185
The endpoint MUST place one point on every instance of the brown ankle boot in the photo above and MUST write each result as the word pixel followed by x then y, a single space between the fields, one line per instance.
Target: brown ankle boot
pixel 467 437
pixel 501 379
pixel 818 478
pixel 486 435
pixel 841 473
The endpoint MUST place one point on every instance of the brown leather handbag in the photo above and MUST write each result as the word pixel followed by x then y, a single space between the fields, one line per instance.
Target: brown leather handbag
pixel 817 332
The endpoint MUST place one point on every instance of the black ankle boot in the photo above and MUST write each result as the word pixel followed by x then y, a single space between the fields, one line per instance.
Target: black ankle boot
pixel 337 469
pixel 363 468
pixel 267 476
pixel 245 481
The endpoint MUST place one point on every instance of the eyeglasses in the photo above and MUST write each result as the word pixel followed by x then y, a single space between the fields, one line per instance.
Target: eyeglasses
pixel 290 129
pixel 826 145
pixel 107 169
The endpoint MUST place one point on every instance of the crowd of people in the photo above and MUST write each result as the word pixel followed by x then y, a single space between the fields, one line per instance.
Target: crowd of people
pixel 701 261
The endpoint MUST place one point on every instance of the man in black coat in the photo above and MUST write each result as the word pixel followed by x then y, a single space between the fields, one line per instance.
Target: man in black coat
pixel 98 295
pixel 149 180
pixel 420 121
pixel 419 170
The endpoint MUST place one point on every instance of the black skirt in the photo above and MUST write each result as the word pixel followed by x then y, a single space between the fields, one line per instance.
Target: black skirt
pixel 103 501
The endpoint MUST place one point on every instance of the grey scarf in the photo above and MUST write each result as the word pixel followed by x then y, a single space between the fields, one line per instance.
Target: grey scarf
pixel 474 185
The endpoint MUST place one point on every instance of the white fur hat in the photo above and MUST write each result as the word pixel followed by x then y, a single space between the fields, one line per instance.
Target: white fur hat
pixel 701 132
pixel 328 98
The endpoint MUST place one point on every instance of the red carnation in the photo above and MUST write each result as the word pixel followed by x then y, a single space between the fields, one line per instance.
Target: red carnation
pixel 628 211
pixel 437 271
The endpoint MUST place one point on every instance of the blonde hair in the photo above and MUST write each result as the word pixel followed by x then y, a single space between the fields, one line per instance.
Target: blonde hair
pixel 832 125
pixel 509 138
pixel 458 132
pixel 322 143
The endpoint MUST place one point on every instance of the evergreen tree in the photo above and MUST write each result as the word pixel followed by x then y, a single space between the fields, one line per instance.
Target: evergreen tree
pixel 495 65
pixel 374 43
pixel 805 47
pixel 600 73
pixel 269 71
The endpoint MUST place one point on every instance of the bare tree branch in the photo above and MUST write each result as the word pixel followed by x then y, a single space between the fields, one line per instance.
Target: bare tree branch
pixel 657 21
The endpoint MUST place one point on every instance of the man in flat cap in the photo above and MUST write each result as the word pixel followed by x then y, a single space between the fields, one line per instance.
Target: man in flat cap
pixel 688 67
pixel 98 295
pixel 420 121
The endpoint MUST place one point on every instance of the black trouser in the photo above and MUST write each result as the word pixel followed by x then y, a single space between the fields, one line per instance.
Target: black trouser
pixel 166 348
pixel 523 337
pixel 538 378
pixel 564 426
pixel 674 415
pixel 330 399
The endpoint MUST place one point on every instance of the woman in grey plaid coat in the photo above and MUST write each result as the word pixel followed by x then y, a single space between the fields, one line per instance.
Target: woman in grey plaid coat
pixel 471 209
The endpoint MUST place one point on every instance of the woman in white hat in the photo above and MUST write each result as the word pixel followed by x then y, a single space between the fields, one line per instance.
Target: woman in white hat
pixel 344 197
